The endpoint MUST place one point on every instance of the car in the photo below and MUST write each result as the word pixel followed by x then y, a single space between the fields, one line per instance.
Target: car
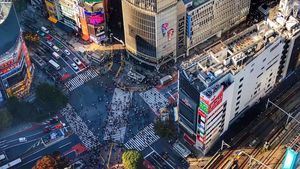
pixel 49 43
pixel 44 29
pixel 56 48
pixel 67 52
pixel 77 61
pixel 74 66
pixel 22 139
pixel 49 37
pixel 40 33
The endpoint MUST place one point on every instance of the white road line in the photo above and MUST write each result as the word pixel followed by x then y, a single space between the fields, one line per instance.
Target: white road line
pixel 149 154
pixel 31 160
pixel 64 145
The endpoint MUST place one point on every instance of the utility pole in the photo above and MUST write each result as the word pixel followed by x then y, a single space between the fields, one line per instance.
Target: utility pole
pixel 288 114
pixel 240 152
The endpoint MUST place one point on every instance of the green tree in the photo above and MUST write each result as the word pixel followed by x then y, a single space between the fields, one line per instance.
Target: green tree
pixel 165 129
pixel 5 119
pixel 50 98
pixel 132 159
pixel 21 110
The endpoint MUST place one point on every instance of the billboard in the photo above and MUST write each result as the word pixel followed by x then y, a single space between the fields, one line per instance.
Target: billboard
pixel 95 18
pixel 207 105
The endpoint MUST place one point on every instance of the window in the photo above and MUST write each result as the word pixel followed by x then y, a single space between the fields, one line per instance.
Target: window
pixel 240 86
pixel 242 79
pixel 271 74
pixel 237 108
pixel 259 75
pixel 264 59
pixel 238 98
pixel 237 103
pixel 251 70
pixel 239 91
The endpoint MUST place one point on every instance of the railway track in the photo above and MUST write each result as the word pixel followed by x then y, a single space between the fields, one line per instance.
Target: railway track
pixel 223 160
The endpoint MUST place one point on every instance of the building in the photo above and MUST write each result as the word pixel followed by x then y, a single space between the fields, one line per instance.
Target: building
pixel 209 18
pixel 69 13
pixel 217 86
pixel 93 20
pixel 150 29
pixel 15 67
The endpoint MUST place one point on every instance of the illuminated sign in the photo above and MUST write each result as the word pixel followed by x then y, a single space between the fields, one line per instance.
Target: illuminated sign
pixel 201 139
pixel 207 105
pixel 203 107
pixel 181 33
pixel 189 26
pixel 96 19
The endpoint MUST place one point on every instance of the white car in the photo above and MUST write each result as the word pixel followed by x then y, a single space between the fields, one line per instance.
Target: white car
pixel 74 66
pixel 22 139
pixel 49 43
pixel 56 48
pixel 77 61
pixel 67 52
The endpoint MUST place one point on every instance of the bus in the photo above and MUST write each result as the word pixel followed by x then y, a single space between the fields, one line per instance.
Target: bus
pixel 166 79
pixel 11 164
pixel 54 64
pixel 56 55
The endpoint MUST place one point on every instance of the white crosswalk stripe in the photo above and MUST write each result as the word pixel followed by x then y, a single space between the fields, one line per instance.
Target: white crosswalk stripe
pixel 154 99
pixel 143 139
pixel 81 79
pixel 79 127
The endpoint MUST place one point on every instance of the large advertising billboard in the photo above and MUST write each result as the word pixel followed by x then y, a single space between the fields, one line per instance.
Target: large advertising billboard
pixel 95 18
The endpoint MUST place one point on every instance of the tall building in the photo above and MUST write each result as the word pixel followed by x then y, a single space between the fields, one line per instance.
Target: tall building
pixel 150 28
pixel 219 85
pixel 209 18
pixel 93 20
pixel 15 67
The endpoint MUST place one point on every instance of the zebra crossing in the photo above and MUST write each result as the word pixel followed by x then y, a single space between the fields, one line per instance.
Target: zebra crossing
pixel 143 139
pixel 154 99
pixel 81 79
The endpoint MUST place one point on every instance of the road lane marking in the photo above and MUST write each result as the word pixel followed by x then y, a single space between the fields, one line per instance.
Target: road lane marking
pixel 65 145
pixel 149 154
pixel 31 161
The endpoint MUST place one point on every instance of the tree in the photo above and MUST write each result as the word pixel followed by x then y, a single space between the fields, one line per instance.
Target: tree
pixel 165 129
pixel 46 162
pixel 21 110
pixel 50 98
pixel 5 119
pixel 132 159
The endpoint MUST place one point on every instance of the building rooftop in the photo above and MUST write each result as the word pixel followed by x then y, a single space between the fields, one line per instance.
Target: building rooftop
pixel 9 27
pixel 234 53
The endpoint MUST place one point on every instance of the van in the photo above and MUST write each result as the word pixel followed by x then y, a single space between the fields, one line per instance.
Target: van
pixel 56 55
pixel 44 29
pixel 56 48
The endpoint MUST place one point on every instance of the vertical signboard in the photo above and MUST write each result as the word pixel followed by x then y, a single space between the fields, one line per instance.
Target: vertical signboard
pixel 189 26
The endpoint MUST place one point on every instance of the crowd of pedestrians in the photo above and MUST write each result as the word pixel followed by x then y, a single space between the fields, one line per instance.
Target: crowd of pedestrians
pixel 154 99
pixel 80 128
pixel 117 118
